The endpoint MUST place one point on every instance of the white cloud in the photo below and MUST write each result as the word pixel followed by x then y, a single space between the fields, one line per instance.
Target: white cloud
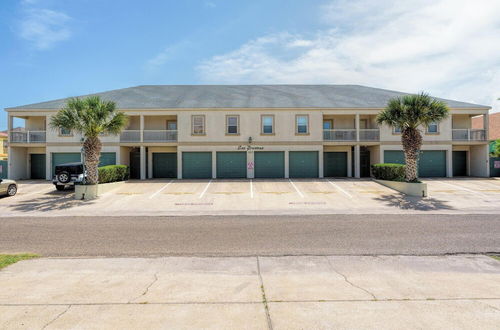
pixel 446 47
pixel 44 27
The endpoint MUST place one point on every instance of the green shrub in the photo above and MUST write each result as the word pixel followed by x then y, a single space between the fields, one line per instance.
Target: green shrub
pixel 113 173
pixel 389 171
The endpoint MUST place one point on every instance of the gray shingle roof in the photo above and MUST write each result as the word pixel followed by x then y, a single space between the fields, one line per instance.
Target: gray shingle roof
pixel 245 96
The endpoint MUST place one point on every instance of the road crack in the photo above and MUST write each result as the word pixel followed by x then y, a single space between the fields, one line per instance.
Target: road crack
pixel 264 298
pixel 57 317
pixel 147 288
pixel 347 280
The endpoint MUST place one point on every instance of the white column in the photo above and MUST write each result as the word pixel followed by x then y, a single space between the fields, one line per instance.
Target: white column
pixel 320 164
pixel 214 165
pixel 142 127
pixel 179 164
pixel 150 164
pixel 143 163
pixel 349 163
pixel 48 165
pixel 357 162
pixel 250 160
pixel 287 168
pixel 449 162
pixel 357 126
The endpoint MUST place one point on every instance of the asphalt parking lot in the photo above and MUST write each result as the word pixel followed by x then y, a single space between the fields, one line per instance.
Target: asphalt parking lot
pixel 285 196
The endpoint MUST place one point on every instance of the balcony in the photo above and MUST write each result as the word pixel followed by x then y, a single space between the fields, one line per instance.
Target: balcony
pixel 28 137
pixel 468 134
pixel 339 135
pixel 149 136
pixel 369 134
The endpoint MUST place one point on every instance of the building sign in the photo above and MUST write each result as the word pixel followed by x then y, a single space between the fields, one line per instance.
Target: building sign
pixel 496 164
pixel 250 148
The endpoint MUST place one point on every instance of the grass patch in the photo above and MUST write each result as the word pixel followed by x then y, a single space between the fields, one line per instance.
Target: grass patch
pixel 495 257
pixel 9 259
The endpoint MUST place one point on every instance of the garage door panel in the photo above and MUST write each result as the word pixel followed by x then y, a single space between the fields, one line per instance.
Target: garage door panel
pixel 431 163
pixel 335 164
pixel 62 158
pixel 231 165
pixel 197 165
pixel 107 158
pixel 164 165
pixel 269 164
pixel 303 164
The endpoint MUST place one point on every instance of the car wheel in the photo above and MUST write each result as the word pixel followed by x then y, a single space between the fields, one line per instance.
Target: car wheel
pixel 59 188
pixel 12 190
pixel 63 177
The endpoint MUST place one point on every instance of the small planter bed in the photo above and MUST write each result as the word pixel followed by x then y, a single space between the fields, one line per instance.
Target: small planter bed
pixel 392 176
pixel 110 177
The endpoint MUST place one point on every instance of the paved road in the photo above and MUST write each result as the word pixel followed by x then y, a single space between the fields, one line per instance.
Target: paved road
pixel 247 235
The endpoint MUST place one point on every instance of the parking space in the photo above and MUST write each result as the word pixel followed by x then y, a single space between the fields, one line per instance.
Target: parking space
pixel 257 196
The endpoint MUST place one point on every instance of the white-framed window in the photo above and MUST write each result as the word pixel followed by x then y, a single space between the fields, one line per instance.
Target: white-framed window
pixel 171 125
pixel 396 130
pixel 232 124
pixel 267 124
pixel 65 132
pixel 302 124
pixel 433 128
pixel 198 124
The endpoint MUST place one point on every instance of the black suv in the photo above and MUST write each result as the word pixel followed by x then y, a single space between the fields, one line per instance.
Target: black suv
pixel 66 175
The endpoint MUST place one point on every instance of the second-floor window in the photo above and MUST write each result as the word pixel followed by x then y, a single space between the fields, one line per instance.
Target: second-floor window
pixel 328 124
pixel 171 125
pixel 267 124
pixel 302 124
pixel 64 132
pixel 396 129
pixel 198 125
pixel 433 128
pixel 232 123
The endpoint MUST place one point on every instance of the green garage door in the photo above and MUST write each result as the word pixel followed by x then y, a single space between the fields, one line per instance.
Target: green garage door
pixel 303 164
pixel 197 165
pixel 335 164
pixel 107 158
pixel 4 166
pixel 164 165
pixel 37 166
pixel 459 163
pixel 231 165
pixel 432 163
pixel 269 164
pixel 62 158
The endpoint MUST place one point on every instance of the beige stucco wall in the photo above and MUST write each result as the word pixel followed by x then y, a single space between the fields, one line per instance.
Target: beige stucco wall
pixel 461 121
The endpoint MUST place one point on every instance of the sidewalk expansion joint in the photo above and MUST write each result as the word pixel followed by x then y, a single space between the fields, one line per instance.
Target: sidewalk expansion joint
pixel 347 280
pixel 58 316
pixel 264 299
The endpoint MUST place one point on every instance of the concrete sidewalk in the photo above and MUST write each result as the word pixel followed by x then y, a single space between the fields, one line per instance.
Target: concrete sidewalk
pixel 316 292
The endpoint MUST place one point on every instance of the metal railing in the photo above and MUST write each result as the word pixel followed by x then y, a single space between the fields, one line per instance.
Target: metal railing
pixel 160 135
pixel 467 134
pixel 339 135
pixel 369 134
pixel 130 136
pixel 28 137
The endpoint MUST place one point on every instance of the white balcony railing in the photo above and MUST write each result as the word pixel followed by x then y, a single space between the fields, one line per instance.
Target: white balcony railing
pixel 369 134
pixel 160 136
pixel 130 136
pixel 339 135
pixel 468 134
pixel 28 137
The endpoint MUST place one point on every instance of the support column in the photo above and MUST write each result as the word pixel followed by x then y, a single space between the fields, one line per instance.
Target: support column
pixel 250 164
pixel 449 162
pixel 179 164
pixel 214 165
pixel 287 168
pixel 48 164
pixel 320 164
pixel 357 127
pixel 349 163
pixel 357 162
pixel 150 164
pixel 142 128
pixel 143 162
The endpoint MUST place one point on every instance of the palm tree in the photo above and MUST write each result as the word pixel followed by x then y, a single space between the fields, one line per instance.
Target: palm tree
pixel 409 113
pixel 90 117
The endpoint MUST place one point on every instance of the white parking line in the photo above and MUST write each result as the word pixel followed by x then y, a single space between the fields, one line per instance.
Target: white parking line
pixel 159 191
pixel 340 189
pixel 251 188
pixel 205 190
pixel 461 188
pixel 296 189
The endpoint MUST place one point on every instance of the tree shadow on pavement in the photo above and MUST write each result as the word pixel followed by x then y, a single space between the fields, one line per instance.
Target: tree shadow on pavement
pixel 414 203
pixel 52 201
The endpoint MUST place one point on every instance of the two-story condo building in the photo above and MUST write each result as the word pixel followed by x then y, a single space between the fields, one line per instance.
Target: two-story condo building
pixel 251 131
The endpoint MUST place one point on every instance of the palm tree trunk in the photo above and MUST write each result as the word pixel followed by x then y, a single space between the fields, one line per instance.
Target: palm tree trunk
pixel 92 147
pixel 412 141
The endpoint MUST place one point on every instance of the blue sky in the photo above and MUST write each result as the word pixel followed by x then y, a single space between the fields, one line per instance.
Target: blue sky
pixel 55 48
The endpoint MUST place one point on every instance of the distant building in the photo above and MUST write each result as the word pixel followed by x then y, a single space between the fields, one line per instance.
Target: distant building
pixel 493 127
